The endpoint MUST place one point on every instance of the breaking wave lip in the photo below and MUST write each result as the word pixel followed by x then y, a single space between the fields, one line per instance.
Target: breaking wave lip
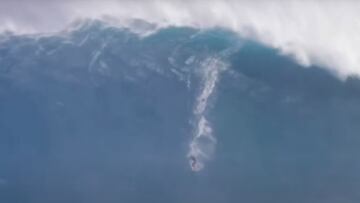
pixel 203 143
pixel 298 29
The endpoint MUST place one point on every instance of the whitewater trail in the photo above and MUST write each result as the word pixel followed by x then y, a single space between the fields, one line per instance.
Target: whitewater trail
pixel 203 143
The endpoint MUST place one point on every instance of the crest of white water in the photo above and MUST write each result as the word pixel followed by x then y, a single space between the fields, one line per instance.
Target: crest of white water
pixel 316 32
pixel 203 143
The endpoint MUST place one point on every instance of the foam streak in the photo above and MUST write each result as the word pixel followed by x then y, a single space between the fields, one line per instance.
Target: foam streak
pixel 203 143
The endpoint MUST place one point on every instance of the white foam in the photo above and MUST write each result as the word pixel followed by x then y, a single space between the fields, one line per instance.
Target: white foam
pixel 324 33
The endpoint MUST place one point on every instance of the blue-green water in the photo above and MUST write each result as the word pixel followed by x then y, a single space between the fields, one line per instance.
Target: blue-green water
pixel 102 115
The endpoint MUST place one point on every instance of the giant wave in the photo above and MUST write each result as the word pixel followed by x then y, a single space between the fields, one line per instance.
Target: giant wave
pixel 101 114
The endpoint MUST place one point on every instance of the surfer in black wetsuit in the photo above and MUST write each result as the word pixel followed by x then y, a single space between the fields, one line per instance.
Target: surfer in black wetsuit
pixel 193 162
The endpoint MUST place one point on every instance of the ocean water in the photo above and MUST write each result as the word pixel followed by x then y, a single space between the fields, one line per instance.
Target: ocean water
pixel 101 114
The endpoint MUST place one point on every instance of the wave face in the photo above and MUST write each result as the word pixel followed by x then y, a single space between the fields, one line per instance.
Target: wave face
pixel 101 114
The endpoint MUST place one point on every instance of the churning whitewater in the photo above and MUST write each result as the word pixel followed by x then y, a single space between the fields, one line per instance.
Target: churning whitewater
pixel 203 143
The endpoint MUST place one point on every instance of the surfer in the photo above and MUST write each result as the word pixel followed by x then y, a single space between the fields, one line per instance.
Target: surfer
pixel 193 162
